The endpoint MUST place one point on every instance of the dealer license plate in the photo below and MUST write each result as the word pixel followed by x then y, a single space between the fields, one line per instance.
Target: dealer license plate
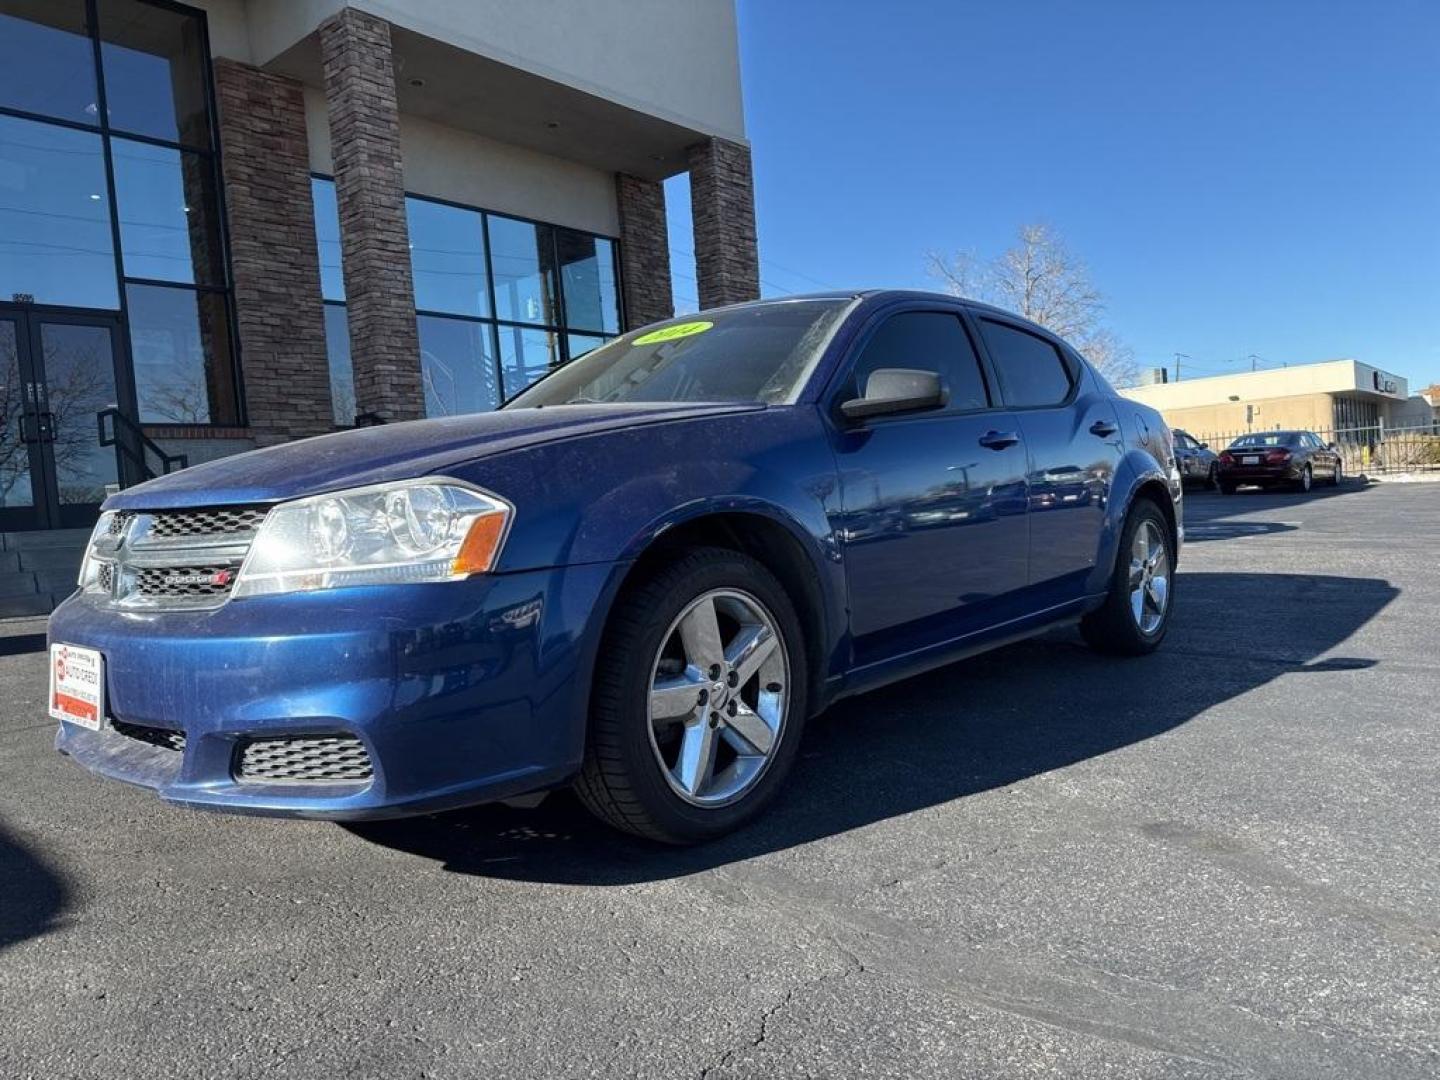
pixel 77 685
pixel 1250 459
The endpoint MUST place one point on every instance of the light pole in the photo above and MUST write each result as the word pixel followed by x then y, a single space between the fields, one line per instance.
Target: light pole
pixel 1178 357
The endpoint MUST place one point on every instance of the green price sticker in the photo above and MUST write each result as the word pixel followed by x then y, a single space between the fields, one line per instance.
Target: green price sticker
pixel 670 333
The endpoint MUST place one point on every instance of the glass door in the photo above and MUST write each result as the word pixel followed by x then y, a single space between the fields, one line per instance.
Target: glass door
pixel 58 373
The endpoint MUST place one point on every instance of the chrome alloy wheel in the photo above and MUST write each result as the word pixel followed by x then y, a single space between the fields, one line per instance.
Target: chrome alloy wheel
pixel 720 691
pixel 1149 578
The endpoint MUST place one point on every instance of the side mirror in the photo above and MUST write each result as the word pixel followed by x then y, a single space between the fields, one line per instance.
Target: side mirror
pixel 1204 446
pixel 896 390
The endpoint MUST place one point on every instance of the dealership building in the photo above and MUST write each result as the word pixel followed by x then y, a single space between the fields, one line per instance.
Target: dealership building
pixel 229 223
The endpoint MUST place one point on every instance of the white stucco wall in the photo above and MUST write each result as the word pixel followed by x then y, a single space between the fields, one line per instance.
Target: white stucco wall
pixel 467 168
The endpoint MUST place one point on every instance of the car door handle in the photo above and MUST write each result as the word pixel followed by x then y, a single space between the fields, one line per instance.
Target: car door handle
pixel 1103 428
pixel 999 440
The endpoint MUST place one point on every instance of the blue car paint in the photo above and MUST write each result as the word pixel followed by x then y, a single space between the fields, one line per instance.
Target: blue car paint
pixel 477 690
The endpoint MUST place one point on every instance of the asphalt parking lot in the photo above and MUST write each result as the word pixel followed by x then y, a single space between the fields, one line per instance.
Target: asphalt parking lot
pixel 1218 861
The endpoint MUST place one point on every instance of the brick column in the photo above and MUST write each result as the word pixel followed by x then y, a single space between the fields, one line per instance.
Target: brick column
pixel 274 260
pixel 644 251
pixel 370 191
pixel 722 209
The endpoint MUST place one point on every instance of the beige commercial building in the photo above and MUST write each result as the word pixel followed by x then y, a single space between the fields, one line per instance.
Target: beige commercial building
pixel 1333 396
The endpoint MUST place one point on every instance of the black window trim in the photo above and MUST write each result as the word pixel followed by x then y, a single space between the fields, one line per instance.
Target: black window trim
pixel 835 387
pixel 1067 362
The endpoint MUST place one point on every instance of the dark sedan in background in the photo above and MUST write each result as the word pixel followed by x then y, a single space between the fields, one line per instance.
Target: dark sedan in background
pixel 1198 464
pixel 1280 458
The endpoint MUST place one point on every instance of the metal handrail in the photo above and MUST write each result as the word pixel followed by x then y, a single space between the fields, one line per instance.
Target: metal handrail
pixel 125 447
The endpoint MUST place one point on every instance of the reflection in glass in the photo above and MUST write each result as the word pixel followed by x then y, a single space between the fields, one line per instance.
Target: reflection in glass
pixel 587 270
pixel 526 355
pixel 55 239
pixel 447 254
pixel 580 344
pixel 342 372
pixel 327 235
pixel 180 346
pixel 154 62
pixel 79 364
pixel 15 490
pixel 47 64
pixel 522 259
pixel 169 228
pixel 457 366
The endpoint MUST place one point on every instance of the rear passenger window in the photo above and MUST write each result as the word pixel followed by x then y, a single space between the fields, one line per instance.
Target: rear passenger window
pixel 926 341
pixel 1029 368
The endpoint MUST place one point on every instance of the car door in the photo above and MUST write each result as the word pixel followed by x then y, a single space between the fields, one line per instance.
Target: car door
pixel 932 521
pixel 1073 446
pixel 1187 453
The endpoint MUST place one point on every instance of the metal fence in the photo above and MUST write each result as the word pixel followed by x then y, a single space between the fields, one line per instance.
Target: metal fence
pixel 1372 450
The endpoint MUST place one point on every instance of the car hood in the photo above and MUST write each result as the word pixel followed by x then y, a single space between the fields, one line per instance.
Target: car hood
pixel 387 452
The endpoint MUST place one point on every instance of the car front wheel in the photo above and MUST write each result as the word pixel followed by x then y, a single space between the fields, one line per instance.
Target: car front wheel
pixel 1136 612
pixel 698 700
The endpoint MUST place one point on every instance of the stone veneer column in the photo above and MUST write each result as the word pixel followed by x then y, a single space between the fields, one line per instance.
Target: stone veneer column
pixel 722 210
pixel 644 251
pixel 370 192
pixel 274 258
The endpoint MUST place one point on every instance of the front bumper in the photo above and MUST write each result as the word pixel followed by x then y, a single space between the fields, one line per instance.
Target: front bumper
pixel 461 692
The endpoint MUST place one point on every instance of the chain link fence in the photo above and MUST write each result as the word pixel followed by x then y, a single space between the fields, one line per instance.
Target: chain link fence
pixel 1370 450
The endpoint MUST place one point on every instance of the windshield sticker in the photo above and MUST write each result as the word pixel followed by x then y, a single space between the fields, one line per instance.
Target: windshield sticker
pixel 670 333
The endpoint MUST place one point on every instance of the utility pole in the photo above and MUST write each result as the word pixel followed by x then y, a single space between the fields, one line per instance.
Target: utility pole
pixel 1254 361
pixel 1178 357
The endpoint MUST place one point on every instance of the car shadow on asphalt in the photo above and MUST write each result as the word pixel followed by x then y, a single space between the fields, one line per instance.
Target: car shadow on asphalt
pixel 32 896
pixel 971 727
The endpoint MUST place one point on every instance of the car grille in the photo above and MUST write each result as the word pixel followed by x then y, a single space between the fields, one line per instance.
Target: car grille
pixel 161 737
pixel 175 558
pixel 303 758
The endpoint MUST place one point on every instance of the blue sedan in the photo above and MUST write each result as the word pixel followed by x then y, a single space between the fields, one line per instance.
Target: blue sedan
pixel 640 577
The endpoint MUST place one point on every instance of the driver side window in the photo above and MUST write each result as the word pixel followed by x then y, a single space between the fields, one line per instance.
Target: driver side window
pixel 926 341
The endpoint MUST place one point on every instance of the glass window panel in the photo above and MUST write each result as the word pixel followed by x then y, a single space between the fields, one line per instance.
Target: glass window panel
pixel 580 344
pixel 525 355
pixel 169 226
pixel 447 254
pixel 79 382
pixel 587 270
pixel 55 242
pixel 1031 372
pixel 180 347
pixel 154 62
pixel 342 371
pixel 327 235
pixel 522 260
pixel 47 64
pixel 16 491
pixel 457 366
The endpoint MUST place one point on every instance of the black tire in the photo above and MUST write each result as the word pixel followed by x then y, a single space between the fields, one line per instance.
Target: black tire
pixel 1212 482
pixel 1227 487
pixel 1306 480
pixel 1337 474
pixel 621 782
pixel 1112 628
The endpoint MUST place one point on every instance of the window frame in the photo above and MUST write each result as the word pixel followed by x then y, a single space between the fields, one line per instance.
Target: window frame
pixel 211 155
pixel 837 387
pixel 1062 352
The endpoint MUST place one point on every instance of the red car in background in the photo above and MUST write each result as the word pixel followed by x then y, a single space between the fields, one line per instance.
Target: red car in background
pixel 1274 458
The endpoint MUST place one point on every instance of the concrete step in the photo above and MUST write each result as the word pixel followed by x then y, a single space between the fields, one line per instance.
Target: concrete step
pixel 9 562
pixel 35 604
pixel 51 558
pixel 18 584
pixel 44 538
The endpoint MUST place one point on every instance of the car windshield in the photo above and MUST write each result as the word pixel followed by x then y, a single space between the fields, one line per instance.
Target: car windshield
pixel 1270 438
pixel 753 353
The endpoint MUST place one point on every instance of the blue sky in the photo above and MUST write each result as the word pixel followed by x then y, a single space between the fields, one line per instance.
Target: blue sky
pixel 1241 178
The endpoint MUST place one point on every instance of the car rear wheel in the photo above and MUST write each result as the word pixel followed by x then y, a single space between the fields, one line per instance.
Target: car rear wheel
pixel 1306 480
pixel 1213 480
pixel 1136 613
pixel 1228 487
pixel 698 701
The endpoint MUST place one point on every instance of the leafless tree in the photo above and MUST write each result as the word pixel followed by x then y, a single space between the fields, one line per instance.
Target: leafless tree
pixel 1042 280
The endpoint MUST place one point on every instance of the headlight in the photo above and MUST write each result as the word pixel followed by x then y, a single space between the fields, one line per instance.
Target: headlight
pixel 415 530
pixel 89 567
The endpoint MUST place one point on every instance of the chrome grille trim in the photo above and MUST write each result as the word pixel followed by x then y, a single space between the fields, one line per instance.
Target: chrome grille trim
pixel 174 559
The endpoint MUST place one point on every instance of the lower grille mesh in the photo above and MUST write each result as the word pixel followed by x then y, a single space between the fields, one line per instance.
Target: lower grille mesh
pixel 161 737
pixel 303 758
